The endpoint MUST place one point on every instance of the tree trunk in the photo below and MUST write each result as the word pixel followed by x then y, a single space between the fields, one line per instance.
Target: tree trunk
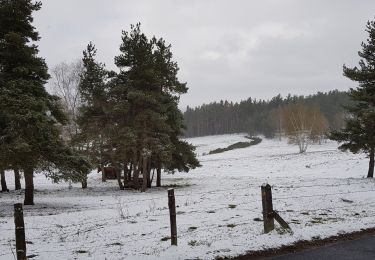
pixel 144 173
pixel 149 174
pixel 17 179
pixel 153 174
pixel 130 172
pixel 29 186
pixel 3 181
pixel 126 172
pixel 104 177
pixel 371 164
pixel 136 167
pixel 84 182
pixel 148 179
pixel 158 177
pixel 118 176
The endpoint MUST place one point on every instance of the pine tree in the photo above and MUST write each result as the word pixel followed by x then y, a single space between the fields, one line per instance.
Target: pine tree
pixel 30 139
pixel 93 112
pixel 359 132
pixel 131 120
pixel 147 94
pixel 143 100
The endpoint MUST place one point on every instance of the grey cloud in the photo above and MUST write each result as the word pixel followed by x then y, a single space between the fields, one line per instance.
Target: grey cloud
pixel 225 49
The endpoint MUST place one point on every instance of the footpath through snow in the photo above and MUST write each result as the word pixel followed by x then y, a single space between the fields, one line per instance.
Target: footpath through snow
pixel 320 193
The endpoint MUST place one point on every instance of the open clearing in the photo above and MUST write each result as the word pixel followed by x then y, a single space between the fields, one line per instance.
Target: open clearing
pixel 320 193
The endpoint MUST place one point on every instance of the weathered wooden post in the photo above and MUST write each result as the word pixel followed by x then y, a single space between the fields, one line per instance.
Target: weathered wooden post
pixel 281 221
pixel 268 220
pixel 172 214
pixel 20 232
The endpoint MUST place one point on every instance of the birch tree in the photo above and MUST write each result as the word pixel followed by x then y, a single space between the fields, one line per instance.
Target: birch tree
pixel 303 125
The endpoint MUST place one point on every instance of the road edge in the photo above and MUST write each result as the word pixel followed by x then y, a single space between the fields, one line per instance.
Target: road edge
pixel 302 245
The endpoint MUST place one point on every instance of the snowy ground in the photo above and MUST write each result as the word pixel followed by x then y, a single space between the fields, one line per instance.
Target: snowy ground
pixel 320 193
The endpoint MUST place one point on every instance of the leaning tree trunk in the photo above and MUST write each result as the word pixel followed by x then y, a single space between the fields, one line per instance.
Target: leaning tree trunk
pixel 371 164
pixel 158 177
pixel 29 186
pixel 3 181
pixel 17 179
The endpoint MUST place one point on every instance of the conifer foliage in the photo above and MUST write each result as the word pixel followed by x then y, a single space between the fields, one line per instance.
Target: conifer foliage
pixel 359 133
pixel 29 137
pixel 134 116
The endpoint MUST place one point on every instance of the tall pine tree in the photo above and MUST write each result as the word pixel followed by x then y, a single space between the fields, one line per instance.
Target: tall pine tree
pixel 148 90
pixel 30 139
pixel 93 113
pixel 359 132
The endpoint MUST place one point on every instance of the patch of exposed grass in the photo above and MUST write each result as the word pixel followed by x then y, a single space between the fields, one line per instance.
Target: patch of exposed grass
pixel 295 221
pixel 115 244
pixel 192 228
pixel 177 185
pixel 165 238
pixel 283 231
pixel 238 145
pixel 192 242
pixel 232 206
pixel 316 220
pixel 231 225
pixel 81 251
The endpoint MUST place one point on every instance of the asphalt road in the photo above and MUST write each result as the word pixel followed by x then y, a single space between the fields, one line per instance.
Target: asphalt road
pixel 362 248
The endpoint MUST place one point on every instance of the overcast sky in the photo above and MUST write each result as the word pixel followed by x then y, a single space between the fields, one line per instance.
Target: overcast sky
pixel 225 49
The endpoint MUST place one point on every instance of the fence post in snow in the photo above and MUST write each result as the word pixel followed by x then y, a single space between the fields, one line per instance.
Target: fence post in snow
pixel 172 214
pixel 268 220
pixel 20 232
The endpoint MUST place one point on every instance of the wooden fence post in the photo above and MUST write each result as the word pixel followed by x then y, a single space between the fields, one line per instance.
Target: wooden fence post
pixel 268 220
pixel 20 232
pixel 172 214
pixel 281 221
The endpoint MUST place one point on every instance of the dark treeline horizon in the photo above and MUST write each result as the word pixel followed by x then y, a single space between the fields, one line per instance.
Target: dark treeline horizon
pixel 258 116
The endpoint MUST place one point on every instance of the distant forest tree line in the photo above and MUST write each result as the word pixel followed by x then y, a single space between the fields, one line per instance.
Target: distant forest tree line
pixel 263 117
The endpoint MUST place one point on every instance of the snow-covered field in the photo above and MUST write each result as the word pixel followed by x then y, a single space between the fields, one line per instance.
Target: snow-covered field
pixel 320 193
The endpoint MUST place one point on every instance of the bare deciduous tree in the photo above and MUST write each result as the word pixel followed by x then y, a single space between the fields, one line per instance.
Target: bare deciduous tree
pixel 64 82
pixel 304 125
